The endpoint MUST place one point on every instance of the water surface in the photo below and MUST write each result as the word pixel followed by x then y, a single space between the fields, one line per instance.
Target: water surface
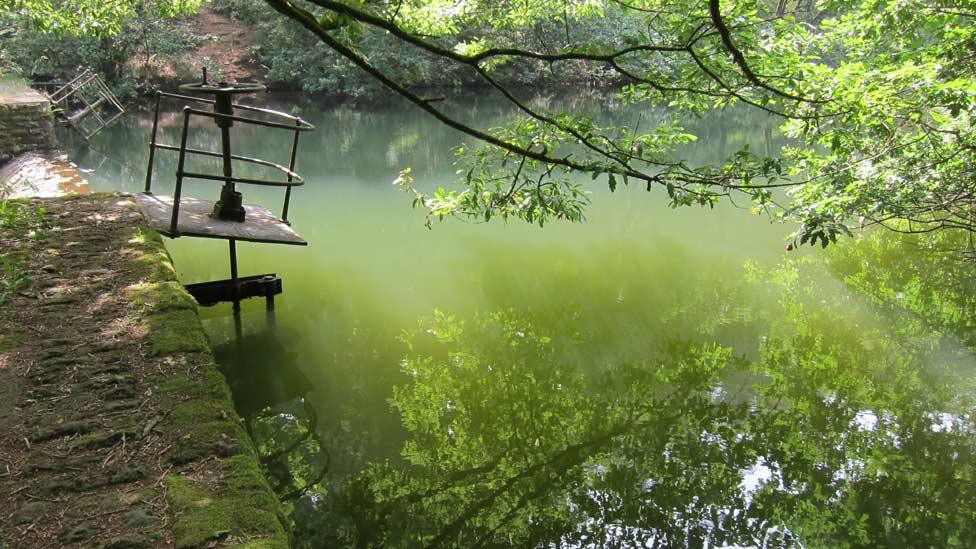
pixel 650 376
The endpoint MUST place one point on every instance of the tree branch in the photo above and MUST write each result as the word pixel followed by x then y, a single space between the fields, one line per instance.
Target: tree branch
pixel 740 60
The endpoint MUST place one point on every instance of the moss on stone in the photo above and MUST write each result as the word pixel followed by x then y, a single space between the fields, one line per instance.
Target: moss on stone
pixel 155 266
pixel 100 439
pixel 87 505
pixel 149 238
pixel 90 197
pixel 242 509
pixel 209 427
pixel 136 497
pixel 29 512
pixel 206 383
pixel 239 506
pixel 128 541
pixel 176 332
pixel 155 263
pixel 161 296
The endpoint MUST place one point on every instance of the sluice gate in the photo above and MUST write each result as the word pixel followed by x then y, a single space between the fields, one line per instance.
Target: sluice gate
pixel 227 217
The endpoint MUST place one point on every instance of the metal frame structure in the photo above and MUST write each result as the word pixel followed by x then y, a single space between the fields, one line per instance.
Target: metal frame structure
pixel 236 288
pixel 292 178
pixel 75 89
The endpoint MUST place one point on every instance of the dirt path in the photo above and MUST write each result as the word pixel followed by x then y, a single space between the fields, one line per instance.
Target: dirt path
pixel 228 46
pixel 225 50
pixel 116 430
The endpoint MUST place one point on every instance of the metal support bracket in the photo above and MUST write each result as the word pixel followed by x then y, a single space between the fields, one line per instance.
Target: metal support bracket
pixel 208 294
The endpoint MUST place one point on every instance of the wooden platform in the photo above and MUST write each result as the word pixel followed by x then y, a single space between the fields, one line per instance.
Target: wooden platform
pixel 260 225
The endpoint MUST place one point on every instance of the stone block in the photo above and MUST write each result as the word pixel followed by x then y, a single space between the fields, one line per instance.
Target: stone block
pixel 26 123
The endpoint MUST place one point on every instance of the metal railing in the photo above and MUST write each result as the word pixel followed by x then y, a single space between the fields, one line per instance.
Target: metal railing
pixel 291 179
pixel 75 89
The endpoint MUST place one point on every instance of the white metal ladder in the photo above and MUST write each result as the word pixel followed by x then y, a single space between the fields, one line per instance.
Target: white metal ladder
pixel 97 103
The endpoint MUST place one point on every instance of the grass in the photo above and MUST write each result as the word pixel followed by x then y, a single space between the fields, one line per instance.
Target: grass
pixel 13 276
pixel 17 218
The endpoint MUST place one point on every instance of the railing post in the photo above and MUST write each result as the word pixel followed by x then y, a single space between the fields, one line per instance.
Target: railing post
pixel 174 232
pixel 152 146
pixel 235 285
pixel 291 168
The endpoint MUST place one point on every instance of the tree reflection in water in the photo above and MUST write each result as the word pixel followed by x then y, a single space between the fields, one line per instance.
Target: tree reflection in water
pixel 835 430
pixel 271 400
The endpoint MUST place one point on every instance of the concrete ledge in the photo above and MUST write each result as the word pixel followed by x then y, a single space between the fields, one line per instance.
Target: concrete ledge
pixel 23 96
pixel 40 174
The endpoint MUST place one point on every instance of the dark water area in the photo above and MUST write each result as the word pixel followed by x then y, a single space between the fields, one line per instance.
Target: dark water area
pixel 651 377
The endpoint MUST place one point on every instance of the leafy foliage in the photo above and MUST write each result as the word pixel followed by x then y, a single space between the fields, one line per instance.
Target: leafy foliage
pixel 96 18
pixel 283 47
pixel 925 279
pixel 900 144
pixel 881 128
pixel 53 39
pixel 18 219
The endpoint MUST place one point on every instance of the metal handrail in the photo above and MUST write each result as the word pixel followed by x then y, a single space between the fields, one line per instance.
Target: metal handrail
pixel 303 127
pixel 63 94
pixel 292 178
pixel 71 84
pixel 235 105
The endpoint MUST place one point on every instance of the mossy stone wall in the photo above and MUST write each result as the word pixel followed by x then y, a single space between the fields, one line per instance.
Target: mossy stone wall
pixel 26 123
pixel 239 504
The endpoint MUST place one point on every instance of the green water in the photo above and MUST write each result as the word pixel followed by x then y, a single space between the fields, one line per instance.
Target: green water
pixel 651 376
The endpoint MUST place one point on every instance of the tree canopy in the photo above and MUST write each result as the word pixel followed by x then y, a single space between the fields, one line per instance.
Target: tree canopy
pixel 876 96
pixel 90 17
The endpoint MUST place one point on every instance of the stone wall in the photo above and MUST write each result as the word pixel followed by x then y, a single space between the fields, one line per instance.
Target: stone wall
pixel 26 123
pixel 116 427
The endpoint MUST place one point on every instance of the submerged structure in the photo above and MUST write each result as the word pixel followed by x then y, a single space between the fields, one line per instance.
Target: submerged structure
pixel 87 104
pixel 227 217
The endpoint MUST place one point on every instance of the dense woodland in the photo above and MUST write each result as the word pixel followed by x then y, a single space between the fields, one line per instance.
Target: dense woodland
pixel 130 59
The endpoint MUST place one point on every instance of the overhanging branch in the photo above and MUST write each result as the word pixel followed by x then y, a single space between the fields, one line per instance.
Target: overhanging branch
pixel 715 11
pixel 305 18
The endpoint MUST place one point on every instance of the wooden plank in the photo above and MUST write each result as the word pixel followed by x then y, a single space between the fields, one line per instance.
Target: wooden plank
pixel 260 225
